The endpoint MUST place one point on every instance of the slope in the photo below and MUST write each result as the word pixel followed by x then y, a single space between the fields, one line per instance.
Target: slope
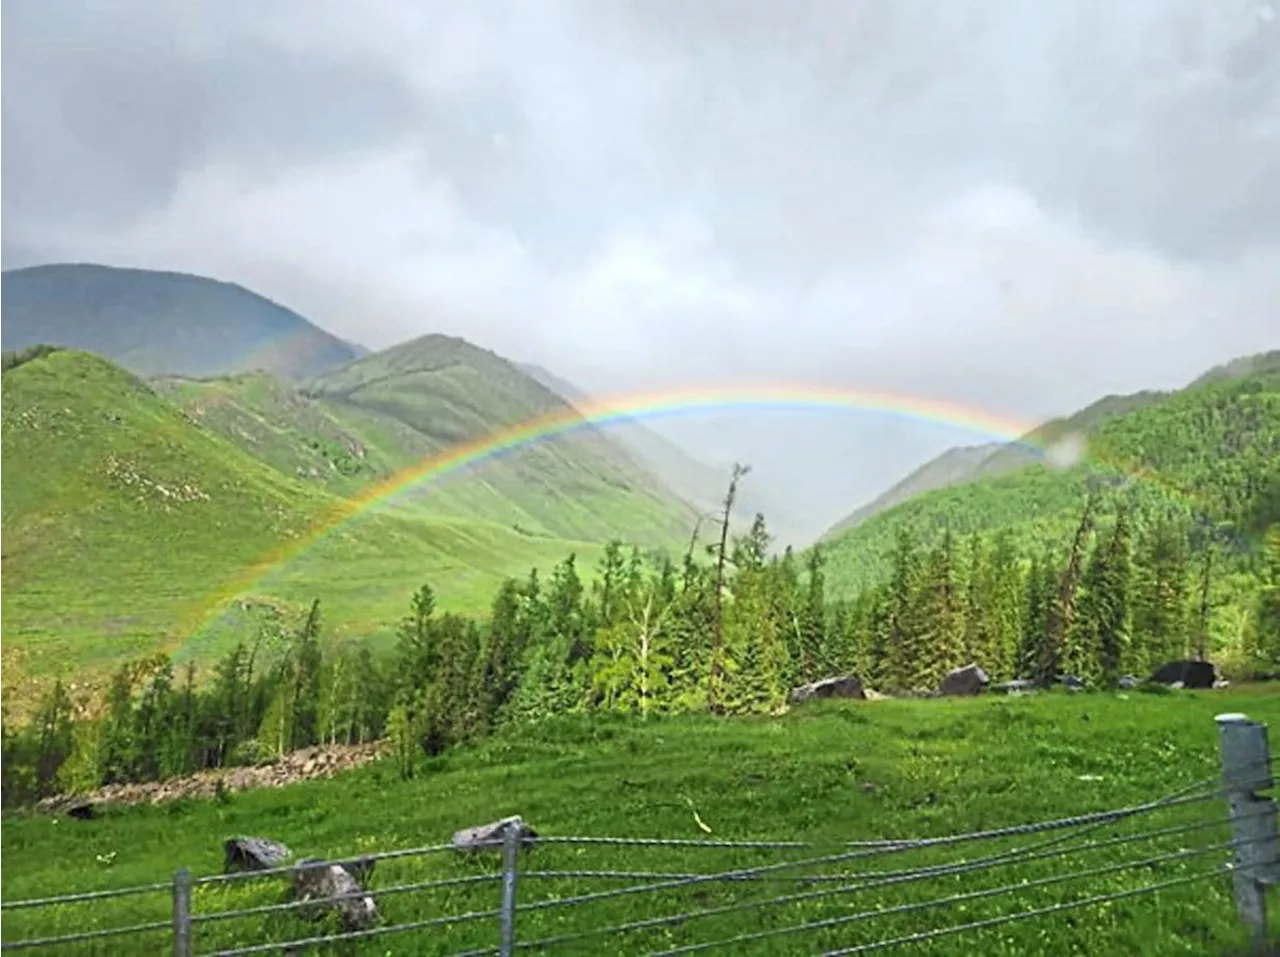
pixel 697 482
pixel 156 322
pixel 1211 451
pixel 578 485
pixel 957 466
pixel 127 526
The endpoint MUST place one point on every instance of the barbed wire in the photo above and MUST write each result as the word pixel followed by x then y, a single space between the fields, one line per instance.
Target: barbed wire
pixel 956 898
pixel 883 879
pixel 87 935
pixel 156 888
pixel 347 895
pixel 922 936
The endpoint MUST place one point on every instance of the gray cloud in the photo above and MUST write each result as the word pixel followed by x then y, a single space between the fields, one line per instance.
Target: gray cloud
pixel 1012 204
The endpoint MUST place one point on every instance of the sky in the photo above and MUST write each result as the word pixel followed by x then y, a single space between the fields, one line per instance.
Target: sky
pixel 1012 205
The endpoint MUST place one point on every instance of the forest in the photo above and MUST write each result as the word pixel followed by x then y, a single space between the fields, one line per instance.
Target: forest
pixel 728 632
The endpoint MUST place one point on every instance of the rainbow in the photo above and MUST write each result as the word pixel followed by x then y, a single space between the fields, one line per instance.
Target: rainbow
pixel 623 408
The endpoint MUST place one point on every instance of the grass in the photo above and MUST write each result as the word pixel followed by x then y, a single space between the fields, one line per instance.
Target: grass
pixel 133 515
pixel 827 774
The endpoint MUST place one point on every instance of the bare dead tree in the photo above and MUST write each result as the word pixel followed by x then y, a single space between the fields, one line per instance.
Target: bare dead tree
pixel 716 675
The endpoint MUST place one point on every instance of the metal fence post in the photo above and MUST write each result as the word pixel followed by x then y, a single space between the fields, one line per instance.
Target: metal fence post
pixel 1246 769
pixel 511 837
pixel 182 913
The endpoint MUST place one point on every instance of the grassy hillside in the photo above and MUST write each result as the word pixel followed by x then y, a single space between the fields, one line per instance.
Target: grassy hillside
pixel 964 464
pixel 127 523
pixel 851 771
pixel 162 322
pixel 1210 450
pixel 580 485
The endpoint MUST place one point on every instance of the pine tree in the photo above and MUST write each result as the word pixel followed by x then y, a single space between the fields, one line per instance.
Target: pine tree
pixel 901 625
pixel 938 641
pixel 1160 595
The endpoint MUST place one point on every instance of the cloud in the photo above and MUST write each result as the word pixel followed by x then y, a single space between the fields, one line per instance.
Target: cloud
pixel 1015 205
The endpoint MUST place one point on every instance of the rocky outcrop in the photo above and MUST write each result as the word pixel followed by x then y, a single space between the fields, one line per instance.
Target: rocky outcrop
pixel 305 765
pixel 969 680
pixel 844 686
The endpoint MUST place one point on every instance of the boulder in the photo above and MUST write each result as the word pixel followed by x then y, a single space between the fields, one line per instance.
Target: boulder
pixel 332 886
pixel 1129 682
pixel 844 686
pixel 969 680
pixel 1190 674
pixel 253 854
pixel 485 837
pixel 1072 683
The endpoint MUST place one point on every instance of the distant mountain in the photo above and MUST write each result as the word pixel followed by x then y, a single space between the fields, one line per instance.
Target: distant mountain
pixel 956 466
pixel 951 467
pixel 163 322
pixel 1210 450
pixel 697 482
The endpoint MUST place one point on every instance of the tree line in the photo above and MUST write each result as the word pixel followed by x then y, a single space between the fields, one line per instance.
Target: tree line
pixel 728 631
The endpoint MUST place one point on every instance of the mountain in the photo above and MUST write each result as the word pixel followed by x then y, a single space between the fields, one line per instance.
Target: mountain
pixel 135 511
pixel 1209 451
pixel 162 322
pixel 950 468
pixel 450 392
pixel 969 463
pixel 697 482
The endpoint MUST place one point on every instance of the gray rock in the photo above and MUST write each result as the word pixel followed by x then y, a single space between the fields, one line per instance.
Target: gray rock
pixel 486 837
pixel 1072 683
pixel 1129 682
pixel 969 680
pixel 1018 686
pixel 253 854
pixel 1186 674
pixel 843 686
pixel 332 886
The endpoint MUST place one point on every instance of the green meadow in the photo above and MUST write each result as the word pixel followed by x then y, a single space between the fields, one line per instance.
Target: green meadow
pixel 827 774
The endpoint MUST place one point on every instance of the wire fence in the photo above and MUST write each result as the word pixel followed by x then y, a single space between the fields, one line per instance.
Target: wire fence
pixel 1189 852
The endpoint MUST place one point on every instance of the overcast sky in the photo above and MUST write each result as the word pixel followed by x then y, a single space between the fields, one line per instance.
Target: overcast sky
pixel 1014 204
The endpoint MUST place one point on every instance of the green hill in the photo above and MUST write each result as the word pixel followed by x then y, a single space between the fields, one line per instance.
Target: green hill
pixel 1211 450
pixel 162 322
pixel 129 519
pixel 448 391
pixel 697 482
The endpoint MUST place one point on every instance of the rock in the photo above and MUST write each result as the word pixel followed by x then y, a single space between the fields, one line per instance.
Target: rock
pixel 1072 683
pixel 253 854
pixel 1191 674
pixel 1129 682
pixel 490 836
pixel 332 886
pixel 1222 683
pixel 844 686
pixel 1017 686
pixel 872 695
pixel 969 680
pixel 71 805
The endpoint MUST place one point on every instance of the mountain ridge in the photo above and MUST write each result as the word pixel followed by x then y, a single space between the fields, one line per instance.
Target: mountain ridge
pixel 156 322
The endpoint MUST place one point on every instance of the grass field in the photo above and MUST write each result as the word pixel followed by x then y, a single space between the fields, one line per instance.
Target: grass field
pixel 827 774
pixel 133 517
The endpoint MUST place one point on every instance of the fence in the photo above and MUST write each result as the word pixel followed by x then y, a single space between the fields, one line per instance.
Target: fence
pixel 542 894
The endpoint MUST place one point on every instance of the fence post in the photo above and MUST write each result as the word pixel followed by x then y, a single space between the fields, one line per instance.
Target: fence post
pixel 1246 769
pixel 511 837
pixel 182 913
